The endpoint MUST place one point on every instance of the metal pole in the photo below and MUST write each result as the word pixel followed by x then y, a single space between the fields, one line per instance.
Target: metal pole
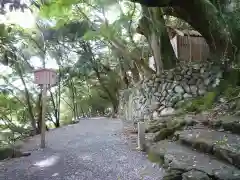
pixel 43 125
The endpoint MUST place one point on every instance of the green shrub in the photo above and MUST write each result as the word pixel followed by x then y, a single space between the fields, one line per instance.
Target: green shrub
pixel 231 92
pixel 66 120
pixel 201 103
pixel 208 100
pixel 164 134
pixel 155 158
pixel 5 152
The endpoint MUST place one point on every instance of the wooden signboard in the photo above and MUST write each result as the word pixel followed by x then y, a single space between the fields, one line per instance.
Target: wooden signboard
pixel 44 77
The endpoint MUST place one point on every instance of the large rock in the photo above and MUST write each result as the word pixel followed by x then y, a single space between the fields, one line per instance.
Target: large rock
pixel 153 128
pixel 181 158
pixel 195 175
pixel 173 175
pixel 231 123
pixel 8 152
pixel 223 145
pixel 228 123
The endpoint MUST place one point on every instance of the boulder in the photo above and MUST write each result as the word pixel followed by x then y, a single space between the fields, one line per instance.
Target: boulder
pixel 173 175
pixel 222 145
pixel 179 157
pixel 9 152
pixel 195 175
pixel 152 128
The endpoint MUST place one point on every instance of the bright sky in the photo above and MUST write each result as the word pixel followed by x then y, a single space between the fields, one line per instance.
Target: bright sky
pixel 27 20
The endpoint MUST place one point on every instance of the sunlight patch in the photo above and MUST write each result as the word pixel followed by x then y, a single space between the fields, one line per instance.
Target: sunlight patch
pixel 55 174
pixel 122 158
pixel 86 158
pixel 47 162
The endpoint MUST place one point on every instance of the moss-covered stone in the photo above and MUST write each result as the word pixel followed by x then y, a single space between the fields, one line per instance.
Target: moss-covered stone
pixel 155 158
pixel 228 123
pixel 164 134
pixel 155 128
pixel 234 127
pixel 175 122
pixel 195 175
pixel 200 104
pixel 215 124
pixel 173 175
pixel 222 145
pixel 203 145
pixel 182 158
pixel 169 129
pixel 7 152
pixel 231 91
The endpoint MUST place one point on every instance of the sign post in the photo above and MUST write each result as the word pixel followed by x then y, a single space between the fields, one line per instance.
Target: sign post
pixel 43 124
pixel 44 77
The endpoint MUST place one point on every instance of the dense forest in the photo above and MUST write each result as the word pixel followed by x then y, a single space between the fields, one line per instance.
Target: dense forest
pixel 99 47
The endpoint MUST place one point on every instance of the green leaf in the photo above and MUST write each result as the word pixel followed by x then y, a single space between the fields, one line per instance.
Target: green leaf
pixel 55 10
pixel 105 3
pixel 90 35
pixel 60 23
pixel 3 32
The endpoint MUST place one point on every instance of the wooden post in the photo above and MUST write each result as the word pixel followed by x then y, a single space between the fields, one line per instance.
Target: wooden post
pixel 190 47
pixel 44 77
pixel 200 44
pixel 141 135
pixel 43 125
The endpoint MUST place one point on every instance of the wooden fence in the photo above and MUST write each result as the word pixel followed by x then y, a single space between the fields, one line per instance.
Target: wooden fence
pixel 190 48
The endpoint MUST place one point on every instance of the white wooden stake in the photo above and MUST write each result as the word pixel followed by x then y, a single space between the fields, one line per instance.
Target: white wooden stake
pixel 141 135
pixel 43 125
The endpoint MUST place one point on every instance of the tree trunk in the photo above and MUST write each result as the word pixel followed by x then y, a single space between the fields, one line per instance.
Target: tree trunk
pixel 57 123
pixel 29 103
pixel 58 99
pixel 135 73
pixel 131 66
pixel 39 110
pixel 76 104
pixel 215 20
pixel 152 26
pixel 123 73
pixel 110 95
pixel 55 108
pixel 82 111
pixel 119 45
pixel 115 110
pixel 73 99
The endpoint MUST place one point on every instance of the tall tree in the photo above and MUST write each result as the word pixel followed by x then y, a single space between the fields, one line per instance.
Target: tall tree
pixel 217 21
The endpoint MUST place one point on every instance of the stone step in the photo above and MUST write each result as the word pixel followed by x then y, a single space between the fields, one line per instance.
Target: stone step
pixel 181 158
pixel 227 123
pixel 222 145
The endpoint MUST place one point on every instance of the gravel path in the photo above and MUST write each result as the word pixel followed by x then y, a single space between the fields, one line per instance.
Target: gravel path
pixel 93 149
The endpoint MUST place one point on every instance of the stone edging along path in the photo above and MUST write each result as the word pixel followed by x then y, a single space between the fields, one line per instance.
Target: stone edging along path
pixel 189 149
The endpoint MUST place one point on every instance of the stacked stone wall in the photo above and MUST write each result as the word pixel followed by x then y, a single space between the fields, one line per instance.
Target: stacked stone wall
pixel 158 95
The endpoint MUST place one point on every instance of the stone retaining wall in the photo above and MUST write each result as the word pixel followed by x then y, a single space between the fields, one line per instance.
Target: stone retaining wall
pixel 159 95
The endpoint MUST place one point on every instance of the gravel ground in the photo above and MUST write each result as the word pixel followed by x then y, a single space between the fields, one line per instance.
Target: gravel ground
pixel 94 149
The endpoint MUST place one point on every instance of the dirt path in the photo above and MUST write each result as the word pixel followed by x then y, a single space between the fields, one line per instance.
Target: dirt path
pixel 94 149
